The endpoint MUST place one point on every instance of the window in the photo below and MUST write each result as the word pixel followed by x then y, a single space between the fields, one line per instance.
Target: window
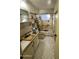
pixel 45 16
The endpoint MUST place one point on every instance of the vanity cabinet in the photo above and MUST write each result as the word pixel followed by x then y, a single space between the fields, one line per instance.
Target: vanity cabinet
pixel 36 43
pixel 30 50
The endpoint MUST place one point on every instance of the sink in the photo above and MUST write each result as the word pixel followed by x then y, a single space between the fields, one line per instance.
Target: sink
pixel 28 38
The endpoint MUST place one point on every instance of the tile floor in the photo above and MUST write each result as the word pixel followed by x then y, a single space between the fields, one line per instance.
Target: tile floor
pixel 46 47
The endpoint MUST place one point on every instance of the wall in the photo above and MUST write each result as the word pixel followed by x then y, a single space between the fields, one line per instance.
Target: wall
pixel 28 7
pixel 56 8
pixel 57 39
pixel 46 11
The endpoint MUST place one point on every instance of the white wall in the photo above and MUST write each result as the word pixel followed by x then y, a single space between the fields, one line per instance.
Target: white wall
pixel 25 6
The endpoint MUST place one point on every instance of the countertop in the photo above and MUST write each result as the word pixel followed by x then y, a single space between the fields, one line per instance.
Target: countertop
pixel 25 43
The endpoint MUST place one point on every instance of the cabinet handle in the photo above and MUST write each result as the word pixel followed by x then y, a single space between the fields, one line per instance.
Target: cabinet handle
pixel 55 35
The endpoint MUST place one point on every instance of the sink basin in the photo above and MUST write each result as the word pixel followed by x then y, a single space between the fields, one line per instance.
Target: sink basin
pixel 28 38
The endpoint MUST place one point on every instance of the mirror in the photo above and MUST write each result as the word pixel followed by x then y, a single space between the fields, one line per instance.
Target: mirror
pixel 23 16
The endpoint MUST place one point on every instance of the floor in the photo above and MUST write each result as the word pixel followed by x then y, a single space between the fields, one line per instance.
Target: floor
pixel 46 47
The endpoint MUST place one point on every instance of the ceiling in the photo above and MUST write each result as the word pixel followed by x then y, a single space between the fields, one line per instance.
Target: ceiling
pixel 43 4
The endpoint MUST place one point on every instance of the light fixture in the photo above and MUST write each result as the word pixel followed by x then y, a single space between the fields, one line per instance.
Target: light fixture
pixel 49 2
pixel 23 5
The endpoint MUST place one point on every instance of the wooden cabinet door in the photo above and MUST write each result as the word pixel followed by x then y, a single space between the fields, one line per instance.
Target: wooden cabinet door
pixel 36 43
